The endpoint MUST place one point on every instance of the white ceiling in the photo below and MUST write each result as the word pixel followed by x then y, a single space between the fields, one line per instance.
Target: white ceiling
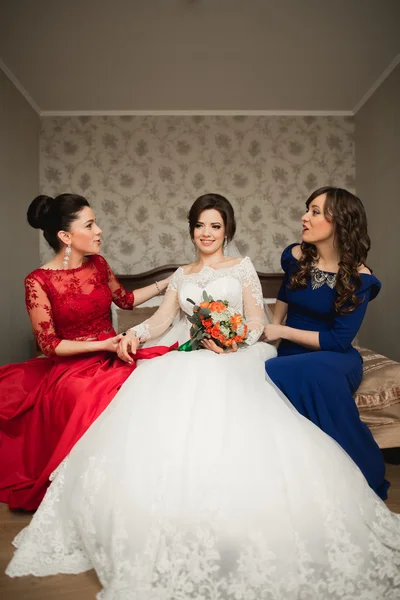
pixel 199 55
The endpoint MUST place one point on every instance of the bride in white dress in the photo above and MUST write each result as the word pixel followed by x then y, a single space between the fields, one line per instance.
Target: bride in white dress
pixel 200 481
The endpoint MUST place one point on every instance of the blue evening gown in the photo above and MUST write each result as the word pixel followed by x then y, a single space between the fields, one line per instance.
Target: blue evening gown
pixel 321 383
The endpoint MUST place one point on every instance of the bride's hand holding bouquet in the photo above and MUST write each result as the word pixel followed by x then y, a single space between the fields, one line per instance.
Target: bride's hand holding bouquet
pixel 215 327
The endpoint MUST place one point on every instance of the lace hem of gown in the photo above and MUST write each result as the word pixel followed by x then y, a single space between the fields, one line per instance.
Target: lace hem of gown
pixel 175 563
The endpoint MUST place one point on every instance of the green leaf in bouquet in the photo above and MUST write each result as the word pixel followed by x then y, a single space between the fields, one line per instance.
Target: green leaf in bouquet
pixel 191 301
pixel 206 297
pixel 196 339
pixel 195 344
pixel 199 335
pixel 195 319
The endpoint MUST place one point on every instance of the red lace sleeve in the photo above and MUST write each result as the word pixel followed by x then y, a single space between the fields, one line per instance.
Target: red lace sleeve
pixel 40 314
pixel 120 295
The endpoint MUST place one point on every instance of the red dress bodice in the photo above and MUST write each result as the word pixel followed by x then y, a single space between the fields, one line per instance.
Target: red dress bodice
pixel 47 404
pixel 73 304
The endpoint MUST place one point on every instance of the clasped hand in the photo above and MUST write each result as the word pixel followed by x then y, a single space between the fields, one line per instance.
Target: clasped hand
pixel 127 346
pixel 272 333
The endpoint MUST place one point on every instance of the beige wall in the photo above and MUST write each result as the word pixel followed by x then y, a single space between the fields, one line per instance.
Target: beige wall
pixel 141 174
pixel 378 185
pixel 19 243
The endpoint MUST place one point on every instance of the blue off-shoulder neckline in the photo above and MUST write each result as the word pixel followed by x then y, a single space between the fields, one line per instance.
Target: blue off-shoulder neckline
pixel 369 280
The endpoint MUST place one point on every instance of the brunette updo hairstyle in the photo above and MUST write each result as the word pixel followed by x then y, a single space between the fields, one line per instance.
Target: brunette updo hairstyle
pixel 346 212
pixel 55 214
pixel 219 203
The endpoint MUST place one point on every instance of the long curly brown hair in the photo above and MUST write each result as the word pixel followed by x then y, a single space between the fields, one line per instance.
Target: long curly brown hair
pixel 352 241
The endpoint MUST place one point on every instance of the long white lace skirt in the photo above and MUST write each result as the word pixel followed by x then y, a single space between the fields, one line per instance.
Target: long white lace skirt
pixel 200 481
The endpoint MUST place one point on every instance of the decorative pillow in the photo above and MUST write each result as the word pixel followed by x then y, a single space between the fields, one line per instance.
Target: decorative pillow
pixel 125 319
pixel 380 385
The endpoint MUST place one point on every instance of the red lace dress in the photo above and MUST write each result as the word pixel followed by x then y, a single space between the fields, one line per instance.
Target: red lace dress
pixel 47 404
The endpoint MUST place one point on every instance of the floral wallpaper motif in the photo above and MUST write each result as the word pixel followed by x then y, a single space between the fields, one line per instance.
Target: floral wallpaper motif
pixel 141 175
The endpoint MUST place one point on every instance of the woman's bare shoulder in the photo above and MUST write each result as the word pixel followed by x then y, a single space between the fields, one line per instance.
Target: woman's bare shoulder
pixel 296 251
pixel 364 269
pixel 187 269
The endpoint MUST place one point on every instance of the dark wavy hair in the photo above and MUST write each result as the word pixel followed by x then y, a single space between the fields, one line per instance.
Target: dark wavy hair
pixel 219 203
pixel 55 214
pixel 352 241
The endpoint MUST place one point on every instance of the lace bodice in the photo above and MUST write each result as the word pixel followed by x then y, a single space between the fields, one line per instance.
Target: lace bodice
pixel 73 304
pixel 239 285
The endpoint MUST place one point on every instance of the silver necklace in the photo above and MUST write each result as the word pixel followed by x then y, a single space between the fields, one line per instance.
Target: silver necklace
pixel 319 278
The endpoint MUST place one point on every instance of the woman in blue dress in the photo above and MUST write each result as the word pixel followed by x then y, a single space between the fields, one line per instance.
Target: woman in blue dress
pixel 324 296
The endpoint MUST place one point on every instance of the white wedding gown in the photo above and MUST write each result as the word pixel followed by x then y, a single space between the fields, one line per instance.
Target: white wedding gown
pixel 200 481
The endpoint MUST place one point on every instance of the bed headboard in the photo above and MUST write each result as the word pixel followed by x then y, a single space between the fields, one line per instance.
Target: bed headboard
pixel 270 282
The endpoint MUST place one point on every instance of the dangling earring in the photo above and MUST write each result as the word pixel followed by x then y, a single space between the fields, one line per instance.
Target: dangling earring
pixel 67 255
pixel 225 245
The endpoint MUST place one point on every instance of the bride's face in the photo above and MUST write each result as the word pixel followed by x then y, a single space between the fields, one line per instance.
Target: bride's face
pixel 209 232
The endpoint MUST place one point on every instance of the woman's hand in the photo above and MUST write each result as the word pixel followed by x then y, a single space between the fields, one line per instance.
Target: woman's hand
pixel 273 333
pixel 211 345
pixel 163 283
pixel 111 344
pixel 127 346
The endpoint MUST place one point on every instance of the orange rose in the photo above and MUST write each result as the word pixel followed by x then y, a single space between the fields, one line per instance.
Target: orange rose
pixel 215 331
pixel 236 320
pixel 207 323
pixel 217 307
pixel 204 304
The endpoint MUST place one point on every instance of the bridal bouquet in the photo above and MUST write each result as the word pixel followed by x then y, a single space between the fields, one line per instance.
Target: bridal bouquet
pixel 216 320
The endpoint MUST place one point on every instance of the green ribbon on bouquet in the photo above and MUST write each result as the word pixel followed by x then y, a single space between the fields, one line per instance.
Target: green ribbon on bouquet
pixel 186 347
pixel 194 342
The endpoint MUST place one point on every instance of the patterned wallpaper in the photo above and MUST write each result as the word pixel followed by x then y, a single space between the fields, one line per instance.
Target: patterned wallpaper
pixel 141 175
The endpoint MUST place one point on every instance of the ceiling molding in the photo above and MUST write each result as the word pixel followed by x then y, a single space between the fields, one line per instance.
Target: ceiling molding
pixel 377 84
pixel 210 113
pixel 20 87
pixel 254 113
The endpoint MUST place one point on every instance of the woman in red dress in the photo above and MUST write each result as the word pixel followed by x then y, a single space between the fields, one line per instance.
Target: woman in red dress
pixel 46 404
